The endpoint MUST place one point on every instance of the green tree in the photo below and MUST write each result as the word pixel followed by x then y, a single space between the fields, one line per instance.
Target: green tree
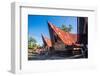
pixel 70 28
pixel 65 28
pixel 31 42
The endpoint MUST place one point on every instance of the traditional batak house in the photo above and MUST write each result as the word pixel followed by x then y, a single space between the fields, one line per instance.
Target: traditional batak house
pixel 61 40
pixel 65 42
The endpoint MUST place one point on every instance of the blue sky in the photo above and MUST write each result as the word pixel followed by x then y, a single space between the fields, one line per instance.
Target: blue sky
pixel 37 25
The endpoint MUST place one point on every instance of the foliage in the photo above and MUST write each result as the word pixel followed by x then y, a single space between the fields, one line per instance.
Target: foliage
pixel 65 28
pixel 32 43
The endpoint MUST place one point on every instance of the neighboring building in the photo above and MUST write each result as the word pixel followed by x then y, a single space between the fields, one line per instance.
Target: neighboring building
pixel 47 43
pixel 82 30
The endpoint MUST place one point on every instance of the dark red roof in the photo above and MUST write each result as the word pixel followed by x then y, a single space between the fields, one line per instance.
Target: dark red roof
pixel 74 36
pixel 66 37
pixel 47 41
